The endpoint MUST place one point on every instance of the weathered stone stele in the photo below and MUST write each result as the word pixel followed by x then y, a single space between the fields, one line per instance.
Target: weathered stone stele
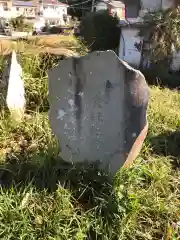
pixel 98 109
pixel 14 85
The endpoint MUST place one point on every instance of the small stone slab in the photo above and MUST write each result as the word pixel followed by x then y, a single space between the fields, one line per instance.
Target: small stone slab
pixel 13 85
pixel 98 109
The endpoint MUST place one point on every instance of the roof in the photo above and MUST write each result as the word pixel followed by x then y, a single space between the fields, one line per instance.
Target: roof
pixel 23 3
pixel 139 24
pixel 116 4
pixel 32 4
pixel 113 3
pixel 54 2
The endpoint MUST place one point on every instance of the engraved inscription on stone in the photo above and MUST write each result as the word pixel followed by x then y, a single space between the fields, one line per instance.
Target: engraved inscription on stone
pixel 91 107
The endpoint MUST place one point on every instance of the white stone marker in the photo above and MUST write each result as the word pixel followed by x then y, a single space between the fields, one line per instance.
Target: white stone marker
pixel 98 109
pixel 15 98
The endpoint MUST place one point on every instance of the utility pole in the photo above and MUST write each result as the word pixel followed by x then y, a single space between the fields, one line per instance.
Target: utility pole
pixel 92 7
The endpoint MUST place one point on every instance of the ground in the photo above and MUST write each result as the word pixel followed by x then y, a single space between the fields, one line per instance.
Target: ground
pixel 42 198
pixel 58 44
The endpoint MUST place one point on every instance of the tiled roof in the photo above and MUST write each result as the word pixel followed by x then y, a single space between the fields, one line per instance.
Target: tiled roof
pixel 23 3
pixel 115 4
pixel 53 2
pixel 31 3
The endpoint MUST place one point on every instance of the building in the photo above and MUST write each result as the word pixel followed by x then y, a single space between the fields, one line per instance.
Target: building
pixel 5 8
pixel 13 8
pixel 115 8
pixel 26 9
pixel 52 11
pixel 6 5
pixel 130 48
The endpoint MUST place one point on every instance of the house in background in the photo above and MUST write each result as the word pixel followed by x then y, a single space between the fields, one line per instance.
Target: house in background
pixel 115 8
pixel 5 8
pixel 130 48
pixel 26 9
pixel 52 11
pixel 6 4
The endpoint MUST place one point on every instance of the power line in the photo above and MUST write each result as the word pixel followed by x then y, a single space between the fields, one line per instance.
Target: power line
pixel 76 4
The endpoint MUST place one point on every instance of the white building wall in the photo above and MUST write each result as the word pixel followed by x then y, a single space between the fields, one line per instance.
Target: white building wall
pixel 53 11
pixel 175 66
pixel 151 5
pixel 167 3
pixel 155 5
pixel 5 14
pixel 127 50
pixel 100 6
pixel 24 11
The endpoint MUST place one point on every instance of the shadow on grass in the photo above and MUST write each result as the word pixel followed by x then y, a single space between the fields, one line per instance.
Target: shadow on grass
pixel 160 76
pixel 167 144
pixel 89 187
pixel 44 171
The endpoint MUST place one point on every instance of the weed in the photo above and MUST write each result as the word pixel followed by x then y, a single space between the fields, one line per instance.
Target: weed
pixel 42 197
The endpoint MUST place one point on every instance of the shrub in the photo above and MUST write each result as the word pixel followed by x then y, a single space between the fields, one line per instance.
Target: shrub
pixel 163 31
pixel 100 31
pixel 55 30
pixel 35 69
pixel 160 75
pixel 37 65
pixel 46 27
pixel 19 24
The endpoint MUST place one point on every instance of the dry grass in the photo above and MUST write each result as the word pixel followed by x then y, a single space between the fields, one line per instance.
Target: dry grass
pixel 59 44
pixel 164 106
pixel 41 198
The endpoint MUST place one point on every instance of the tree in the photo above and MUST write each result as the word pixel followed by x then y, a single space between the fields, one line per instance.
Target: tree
pixel 19 24
pixel 163 31
pixel 100 31
pixel 80 8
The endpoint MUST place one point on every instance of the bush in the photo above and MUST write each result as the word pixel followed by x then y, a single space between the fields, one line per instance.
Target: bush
pixel 45 28
pixel 19 24
pixel 35 68
pixel 37 65
pixel 162 76
pixel 100 31
pixel 55 30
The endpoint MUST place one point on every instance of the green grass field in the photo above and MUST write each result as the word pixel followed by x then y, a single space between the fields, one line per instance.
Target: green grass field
pixel 43 198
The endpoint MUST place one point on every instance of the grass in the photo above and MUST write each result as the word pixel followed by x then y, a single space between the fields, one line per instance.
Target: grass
pixel 41 197
pixel 57 44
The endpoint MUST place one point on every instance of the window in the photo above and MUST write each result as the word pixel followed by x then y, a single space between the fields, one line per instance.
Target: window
pixel 4 5
pixel 132 8
pixel 17 9
pixel 52 22
pixel 40 13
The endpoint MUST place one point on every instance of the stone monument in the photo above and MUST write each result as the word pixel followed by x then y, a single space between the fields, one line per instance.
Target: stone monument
pixel 13 85
pixel 98 109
